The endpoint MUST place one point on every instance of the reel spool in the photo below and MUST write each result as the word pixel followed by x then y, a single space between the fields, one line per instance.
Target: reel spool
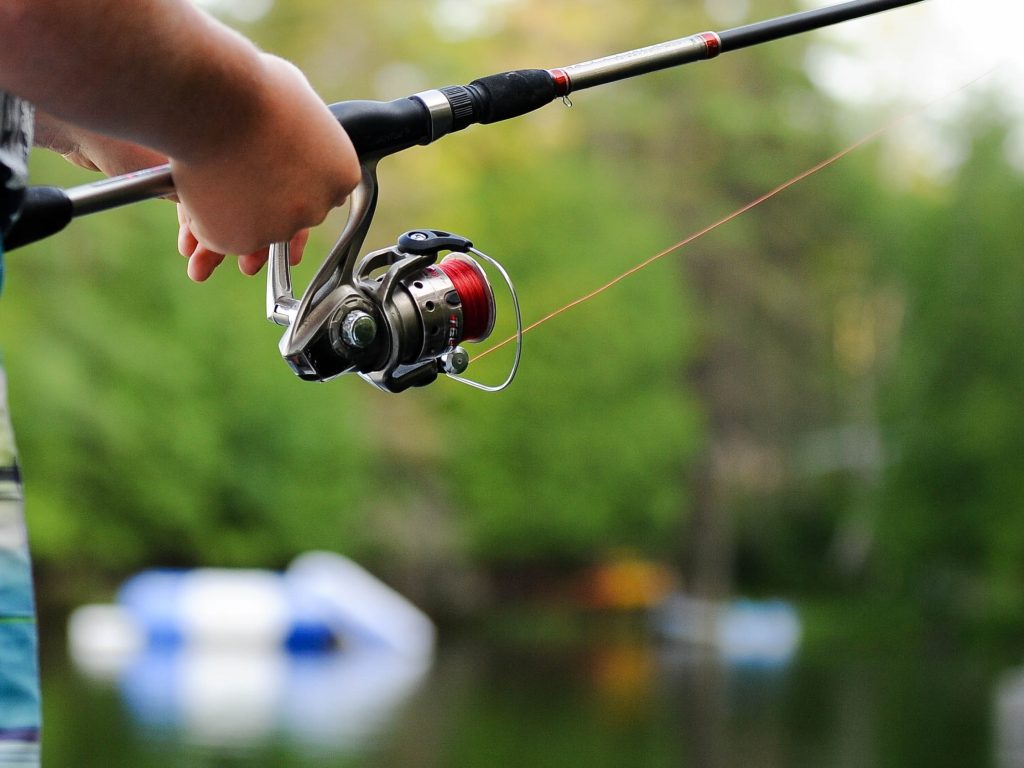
pixel 399 317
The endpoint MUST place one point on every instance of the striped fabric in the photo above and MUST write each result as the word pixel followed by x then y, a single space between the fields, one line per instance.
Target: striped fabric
pixel 19 667
pixel 19 671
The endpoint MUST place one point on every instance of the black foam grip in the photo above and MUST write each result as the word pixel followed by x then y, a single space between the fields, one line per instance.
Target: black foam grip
pixel 510 94
pixel 379 128
pixel 44 212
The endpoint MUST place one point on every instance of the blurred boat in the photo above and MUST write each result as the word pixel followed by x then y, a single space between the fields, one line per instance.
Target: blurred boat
pixel 742 632
pixel 323 652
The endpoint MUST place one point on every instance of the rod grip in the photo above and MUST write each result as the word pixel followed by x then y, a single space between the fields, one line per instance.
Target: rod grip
pixel 511 94
pixel 380 128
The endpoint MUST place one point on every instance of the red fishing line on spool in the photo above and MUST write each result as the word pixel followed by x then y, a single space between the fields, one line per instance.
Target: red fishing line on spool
pixel 476 297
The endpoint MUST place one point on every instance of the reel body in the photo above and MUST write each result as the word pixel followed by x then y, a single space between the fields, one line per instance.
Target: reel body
pixel 398 317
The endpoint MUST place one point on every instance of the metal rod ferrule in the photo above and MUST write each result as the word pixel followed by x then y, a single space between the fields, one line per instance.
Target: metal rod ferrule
pixel 619 66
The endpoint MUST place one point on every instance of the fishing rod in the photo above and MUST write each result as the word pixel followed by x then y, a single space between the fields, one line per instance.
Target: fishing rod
pixel 399 316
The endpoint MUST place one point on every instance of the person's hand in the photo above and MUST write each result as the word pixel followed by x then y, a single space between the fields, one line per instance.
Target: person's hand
pixel 280 174
pixel 113 157
pixel 202 261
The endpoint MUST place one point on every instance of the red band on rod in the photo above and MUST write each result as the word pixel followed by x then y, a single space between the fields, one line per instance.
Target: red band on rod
pixel 713 43
pixel 563 85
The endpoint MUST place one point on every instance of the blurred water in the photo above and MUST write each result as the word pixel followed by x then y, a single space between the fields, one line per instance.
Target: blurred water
pixel 620 702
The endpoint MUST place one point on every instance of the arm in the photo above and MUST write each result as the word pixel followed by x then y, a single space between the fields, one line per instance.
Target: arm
pixel 256 156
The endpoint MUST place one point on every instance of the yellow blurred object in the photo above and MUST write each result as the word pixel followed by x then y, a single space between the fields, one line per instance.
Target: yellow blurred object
pixel 626 583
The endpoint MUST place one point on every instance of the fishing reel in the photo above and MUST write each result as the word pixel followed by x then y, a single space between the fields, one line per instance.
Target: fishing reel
pixel 399 316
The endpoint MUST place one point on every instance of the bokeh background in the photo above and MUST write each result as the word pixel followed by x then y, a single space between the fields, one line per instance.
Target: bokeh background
pixel 820 401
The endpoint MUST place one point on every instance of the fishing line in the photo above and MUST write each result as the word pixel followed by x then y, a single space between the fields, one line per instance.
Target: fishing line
pixel 867 138
pixel 477 304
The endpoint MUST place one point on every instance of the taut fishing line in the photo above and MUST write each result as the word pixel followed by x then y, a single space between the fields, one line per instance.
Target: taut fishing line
pixel 866 139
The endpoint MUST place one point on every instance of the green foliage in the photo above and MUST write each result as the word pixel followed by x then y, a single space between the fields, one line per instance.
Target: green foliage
pixel 951 410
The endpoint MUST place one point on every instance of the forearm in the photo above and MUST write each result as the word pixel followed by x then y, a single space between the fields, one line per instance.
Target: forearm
pixel 255 154
pixel 157 72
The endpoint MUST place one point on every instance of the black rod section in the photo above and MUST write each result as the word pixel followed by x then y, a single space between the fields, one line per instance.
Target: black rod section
pixel 805 21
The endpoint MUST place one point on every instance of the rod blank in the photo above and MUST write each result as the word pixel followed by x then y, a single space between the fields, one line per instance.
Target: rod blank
pixel 805 21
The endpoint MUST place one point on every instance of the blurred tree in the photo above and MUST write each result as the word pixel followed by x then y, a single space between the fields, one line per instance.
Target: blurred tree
pixel 952 530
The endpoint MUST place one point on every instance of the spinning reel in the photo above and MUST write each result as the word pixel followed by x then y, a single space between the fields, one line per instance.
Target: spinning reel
pixel 398 317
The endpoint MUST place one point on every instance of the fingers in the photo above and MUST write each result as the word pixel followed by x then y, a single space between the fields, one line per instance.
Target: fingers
pixel 187 242
pixel 298 246
pixel 251 263
pixel 202 261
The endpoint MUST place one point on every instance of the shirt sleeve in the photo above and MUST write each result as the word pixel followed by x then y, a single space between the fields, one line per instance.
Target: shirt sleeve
pixel 17 118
